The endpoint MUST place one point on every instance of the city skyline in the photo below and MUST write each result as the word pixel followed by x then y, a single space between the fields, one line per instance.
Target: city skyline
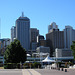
pixel 41 14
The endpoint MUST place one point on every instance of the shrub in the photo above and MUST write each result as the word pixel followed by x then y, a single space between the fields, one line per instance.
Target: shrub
pixel 9 66
pixel 36 64
pixel 28 65
pixel 32 65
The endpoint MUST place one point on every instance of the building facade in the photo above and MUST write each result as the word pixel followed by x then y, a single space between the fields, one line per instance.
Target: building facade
pixel 63 53
pixel 3 44
pixel 69 36
pixel 13 33
pixel 52 26
pixel 39 38
pixel 55 39
pixel 23 31
pixel 43 43
pixel 43 49
pixel 33 46
pixel 34 32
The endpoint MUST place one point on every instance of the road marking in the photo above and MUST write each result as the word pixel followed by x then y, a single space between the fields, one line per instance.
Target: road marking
pixel 30 72
pixel 33 72
pixel 25 72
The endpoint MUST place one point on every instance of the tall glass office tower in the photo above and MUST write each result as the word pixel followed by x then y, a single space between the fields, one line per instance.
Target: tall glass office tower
pixel 22 31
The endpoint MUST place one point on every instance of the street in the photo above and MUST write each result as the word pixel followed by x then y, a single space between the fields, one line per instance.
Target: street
pixel 18 72
pixel 10 72
pixel 36 72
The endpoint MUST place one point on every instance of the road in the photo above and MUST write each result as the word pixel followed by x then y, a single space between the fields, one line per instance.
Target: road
pixel 10 72
pixel 35 72
pixel 55 72
pixel 18 72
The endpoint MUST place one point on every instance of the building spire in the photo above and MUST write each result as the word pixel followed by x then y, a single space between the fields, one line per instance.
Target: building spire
pixel 22 14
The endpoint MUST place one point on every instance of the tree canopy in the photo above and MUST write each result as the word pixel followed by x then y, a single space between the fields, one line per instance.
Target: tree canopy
pixel 15 53
pixel 73 48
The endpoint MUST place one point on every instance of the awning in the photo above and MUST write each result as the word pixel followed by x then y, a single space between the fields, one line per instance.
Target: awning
pixel 48 59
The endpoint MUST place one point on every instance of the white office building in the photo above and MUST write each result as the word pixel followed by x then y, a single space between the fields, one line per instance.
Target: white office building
pixel 63 53
pixel 69 36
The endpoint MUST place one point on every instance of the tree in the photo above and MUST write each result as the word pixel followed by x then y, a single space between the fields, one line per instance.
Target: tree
pixel 15 53
pixel 73 48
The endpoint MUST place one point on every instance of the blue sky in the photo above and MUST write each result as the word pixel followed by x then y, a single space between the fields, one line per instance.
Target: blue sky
pixel 41 14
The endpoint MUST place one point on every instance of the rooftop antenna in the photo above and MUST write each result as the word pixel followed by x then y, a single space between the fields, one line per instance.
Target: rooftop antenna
pixel 22 14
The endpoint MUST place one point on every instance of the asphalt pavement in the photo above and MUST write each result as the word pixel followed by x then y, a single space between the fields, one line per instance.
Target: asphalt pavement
pixel 55 72
pixel 10 72
pixel 36 72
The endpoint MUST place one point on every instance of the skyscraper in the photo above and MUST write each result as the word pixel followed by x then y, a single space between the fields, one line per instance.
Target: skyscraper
pixel 13 33
pixel 39 38
pixel 69 36
pixel 22 31
pixel 54 38
pixel 3 45
pixel 34 32
pixel 52 26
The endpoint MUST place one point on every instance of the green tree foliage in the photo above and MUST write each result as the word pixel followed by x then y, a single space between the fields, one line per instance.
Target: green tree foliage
pixel 73 48
pixel 15 53
pixel 36 64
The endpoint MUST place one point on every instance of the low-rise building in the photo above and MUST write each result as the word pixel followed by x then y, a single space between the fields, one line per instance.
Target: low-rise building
pixel 43 49
pixel 63 52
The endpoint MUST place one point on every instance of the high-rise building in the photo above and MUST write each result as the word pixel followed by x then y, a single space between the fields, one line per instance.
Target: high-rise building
pixel 33 34
pixel 43 43
pixel 52 26
pixel 13 33
pixel 3 44
pixel 22 31
pixel 39 38
pixel 55 39
pixel 69 36
pixel 33 38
